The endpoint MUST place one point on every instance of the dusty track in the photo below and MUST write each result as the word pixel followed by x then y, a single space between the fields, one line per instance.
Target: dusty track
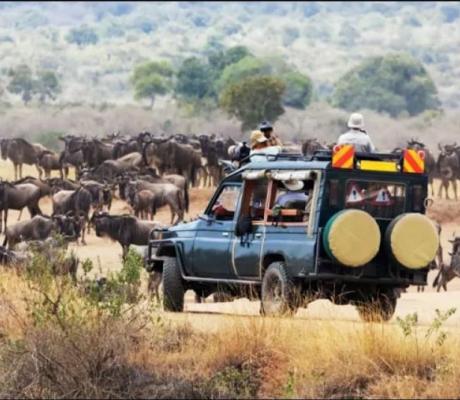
pixel 106 256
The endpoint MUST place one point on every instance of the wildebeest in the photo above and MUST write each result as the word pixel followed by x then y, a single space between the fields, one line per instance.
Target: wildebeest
pixel 448 165
pixel 125 229
pixel 109 169
pixel 150 175
pixel 143 204
pixel 76 201
pixel 20 152
pixel 71 155
pixel 16 197
pixel 44 186
pixel 448 272
pixel 101 193
pixel 57 184
pixel 123 146
pixel 310 146
pixel 50 161
pixel 165 194
pixel 41 227
pixel 170 156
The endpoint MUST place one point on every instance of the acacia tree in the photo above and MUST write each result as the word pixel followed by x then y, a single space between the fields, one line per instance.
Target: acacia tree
pixel 253 100
pixel 393 83
pixel 152 79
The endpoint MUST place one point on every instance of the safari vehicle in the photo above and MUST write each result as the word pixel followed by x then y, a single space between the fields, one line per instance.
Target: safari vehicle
pixel 358 237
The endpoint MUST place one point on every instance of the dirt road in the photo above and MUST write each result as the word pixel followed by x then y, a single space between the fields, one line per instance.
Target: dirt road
pixel 107 257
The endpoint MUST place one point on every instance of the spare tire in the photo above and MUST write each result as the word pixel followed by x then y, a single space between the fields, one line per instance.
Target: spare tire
pixel 413 240
pixel 352 238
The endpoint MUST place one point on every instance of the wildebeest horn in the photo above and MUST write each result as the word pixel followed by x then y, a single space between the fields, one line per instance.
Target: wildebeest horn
pixel 439 146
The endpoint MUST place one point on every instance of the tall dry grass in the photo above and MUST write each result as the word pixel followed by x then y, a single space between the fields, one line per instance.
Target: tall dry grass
pixel 146 353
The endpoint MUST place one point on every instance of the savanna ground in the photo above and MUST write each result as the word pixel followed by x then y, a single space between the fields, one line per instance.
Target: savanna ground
pixel 66 346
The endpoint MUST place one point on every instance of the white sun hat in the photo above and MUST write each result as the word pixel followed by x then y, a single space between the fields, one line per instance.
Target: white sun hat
pixel 356 120
pixel 293 185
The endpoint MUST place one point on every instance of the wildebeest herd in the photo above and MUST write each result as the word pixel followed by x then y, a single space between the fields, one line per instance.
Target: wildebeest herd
pixel 148 172
pixel 145 170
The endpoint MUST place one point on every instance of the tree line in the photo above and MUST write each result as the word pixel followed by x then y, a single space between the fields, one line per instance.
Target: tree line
pixel 252 88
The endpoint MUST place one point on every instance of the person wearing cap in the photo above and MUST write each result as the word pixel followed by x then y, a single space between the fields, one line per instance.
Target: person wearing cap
pixel 260 145
pixel 266 128
pixel 356 135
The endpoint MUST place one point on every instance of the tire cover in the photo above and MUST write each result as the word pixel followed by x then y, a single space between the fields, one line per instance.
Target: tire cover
pixel 352 238
pixel 413 240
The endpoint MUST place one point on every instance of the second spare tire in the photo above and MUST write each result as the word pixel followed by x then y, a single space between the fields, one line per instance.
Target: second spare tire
pixel 413 240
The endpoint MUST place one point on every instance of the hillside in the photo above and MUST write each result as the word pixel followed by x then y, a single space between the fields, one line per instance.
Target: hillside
pixel 323 40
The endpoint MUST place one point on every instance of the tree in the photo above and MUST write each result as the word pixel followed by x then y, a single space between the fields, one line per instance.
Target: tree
pixel 254 99
pixel 152 79
pixel 82 36
pixel 21 83
pixel 47 86
pixel 299 90
pixel 194 80
pixel 247 67
pixel 221 59
pixel 393 84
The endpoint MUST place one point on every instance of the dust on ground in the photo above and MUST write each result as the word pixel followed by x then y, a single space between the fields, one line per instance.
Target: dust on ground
pixel 106 256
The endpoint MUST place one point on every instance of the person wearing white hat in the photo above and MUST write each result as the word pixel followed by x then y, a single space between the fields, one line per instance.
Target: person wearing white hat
pixel 294 196
pixel 356 135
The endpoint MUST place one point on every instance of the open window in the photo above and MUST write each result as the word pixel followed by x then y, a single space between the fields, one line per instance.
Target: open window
pixel 290 202
pixel 254 199
pixel 291 197
pixel 223 208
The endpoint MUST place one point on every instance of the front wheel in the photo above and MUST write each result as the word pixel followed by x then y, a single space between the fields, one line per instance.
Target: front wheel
pixel 279 294
pixel 173 286
pixel 379 308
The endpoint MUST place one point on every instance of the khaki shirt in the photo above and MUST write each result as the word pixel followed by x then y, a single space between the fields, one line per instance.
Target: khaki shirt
pixel 360 140
pixel 274 141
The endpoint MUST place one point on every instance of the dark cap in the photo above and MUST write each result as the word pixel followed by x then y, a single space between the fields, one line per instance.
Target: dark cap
pixel 265 126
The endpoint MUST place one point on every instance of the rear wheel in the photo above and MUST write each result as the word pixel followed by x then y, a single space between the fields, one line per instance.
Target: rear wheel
pixel 379 308
pixel 173 286
pixel 279 294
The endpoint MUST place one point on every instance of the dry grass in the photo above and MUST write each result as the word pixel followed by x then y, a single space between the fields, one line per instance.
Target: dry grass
pixel 147 353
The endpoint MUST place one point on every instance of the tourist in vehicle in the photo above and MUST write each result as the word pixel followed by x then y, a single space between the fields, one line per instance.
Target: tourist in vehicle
pixel 267 129
pixel 294 196
pixel 261 145
pixel 356 135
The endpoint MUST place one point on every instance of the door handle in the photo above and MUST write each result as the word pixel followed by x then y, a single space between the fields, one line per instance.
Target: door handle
pixel 225 234
pixel 258 235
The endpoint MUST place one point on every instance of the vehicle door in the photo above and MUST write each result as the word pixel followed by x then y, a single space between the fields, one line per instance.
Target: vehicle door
pixel 290 222
pixel 247 248
pixel 215 231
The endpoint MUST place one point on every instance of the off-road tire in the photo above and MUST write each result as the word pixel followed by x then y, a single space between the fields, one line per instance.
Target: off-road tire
pixel 279 294
pixel 379 308
pixel 173 286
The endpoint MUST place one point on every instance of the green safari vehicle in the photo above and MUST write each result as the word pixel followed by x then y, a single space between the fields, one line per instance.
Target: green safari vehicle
pixel 352 231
